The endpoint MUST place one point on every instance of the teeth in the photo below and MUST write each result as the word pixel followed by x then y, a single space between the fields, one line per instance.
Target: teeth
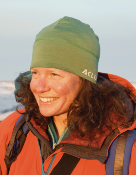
pixel 48 99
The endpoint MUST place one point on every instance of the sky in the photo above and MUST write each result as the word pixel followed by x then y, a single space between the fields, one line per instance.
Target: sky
pixel 113 21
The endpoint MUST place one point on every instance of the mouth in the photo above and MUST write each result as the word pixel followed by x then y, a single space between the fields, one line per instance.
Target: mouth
pixel 48 99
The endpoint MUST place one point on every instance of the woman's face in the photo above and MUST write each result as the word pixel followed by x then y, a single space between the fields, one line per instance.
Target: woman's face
pixel 54 90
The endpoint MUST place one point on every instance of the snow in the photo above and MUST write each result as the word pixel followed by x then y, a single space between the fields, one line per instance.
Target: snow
pixel 7 99
pixel 134 84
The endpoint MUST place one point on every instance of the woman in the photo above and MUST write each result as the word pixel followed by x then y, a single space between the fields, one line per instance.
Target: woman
pixel 73 114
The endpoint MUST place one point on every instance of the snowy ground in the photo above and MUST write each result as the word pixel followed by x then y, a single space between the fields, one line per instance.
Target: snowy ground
pixel 7 100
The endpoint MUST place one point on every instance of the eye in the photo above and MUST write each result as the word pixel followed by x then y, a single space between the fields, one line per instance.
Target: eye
pixel 33 72
pixel 54 74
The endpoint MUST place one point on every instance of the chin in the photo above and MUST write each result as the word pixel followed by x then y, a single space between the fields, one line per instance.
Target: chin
pixel 45 114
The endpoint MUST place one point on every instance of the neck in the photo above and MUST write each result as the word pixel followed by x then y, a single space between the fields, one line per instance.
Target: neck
pixel 60 123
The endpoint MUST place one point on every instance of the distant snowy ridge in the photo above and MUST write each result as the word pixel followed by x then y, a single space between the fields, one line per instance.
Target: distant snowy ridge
pixel 7 99
pixel 6 87
pixel 134 83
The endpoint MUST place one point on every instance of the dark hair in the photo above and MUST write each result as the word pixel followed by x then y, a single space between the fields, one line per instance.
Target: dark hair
pixel 101 107
pixel 105 105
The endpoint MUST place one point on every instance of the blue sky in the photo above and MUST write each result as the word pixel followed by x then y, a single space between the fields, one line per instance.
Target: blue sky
pixel 113 21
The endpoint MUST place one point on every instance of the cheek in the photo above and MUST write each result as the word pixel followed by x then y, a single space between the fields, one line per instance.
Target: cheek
pixel 67 89
pixel 61 88
pixel 32 86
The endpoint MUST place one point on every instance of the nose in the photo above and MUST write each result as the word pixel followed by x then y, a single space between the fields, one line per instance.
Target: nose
pixel 43 85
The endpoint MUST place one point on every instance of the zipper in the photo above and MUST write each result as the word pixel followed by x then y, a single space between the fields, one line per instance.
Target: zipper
pixel 54 145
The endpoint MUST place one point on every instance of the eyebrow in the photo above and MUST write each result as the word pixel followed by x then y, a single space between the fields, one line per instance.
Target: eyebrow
pixel 33 69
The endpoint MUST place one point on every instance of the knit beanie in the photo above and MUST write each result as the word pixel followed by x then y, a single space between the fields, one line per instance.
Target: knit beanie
pixel 69 45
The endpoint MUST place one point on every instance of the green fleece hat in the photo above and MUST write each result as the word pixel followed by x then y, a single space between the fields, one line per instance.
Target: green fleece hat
pixel 69 45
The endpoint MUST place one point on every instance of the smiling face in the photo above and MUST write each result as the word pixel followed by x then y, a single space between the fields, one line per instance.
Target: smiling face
pixel 54 90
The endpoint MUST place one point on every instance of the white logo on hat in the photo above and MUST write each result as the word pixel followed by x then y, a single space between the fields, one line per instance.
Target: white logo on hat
pixel 90 74
pixel 85 72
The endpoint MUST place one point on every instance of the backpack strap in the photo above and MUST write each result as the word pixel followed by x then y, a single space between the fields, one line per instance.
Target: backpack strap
pixel 119 154
pixel 66 165
pixel 17 140
pixel 129 143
